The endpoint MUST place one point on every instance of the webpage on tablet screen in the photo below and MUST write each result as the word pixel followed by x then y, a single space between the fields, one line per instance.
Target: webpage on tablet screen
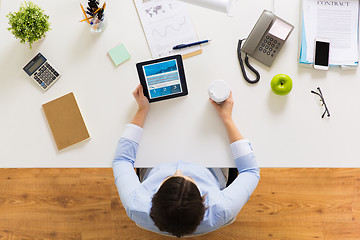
pixel 162 79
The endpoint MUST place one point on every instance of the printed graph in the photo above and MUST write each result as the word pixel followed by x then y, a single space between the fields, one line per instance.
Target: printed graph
pixel 167 30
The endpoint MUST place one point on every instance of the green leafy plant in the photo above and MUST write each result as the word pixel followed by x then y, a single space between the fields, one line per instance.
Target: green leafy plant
pixel 29 24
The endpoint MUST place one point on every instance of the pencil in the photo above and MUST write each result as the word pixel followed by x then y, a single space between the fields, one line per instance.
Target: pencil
pixel 82 8
pixel 86 19
pixel 97 10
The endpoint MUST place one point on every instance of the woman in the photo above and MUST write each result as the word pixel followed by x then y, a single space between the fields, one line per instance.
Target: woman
pixel 183 198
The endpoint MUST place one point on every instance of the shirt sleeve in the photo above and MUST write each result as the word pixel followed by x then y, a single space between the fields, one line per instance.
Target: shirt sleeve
pixel 239 191
pixel 126 179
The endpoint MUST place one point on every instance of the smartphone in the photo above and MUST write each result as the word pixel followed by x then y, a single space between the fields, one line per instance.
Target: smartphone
pixel 322 49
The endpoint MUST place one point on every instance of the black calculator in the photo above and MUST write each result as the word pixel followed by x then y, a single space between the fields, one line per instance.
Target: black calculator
pixel 42 71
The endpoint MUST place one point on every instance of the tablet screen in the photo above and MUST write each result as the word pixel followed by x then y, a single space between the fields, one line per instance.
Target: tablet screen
pixel 162 79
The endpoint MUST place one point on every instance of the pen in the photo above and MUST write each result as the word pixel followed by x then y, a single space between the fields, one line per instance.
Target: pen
pixel 93 19
pixel 190 44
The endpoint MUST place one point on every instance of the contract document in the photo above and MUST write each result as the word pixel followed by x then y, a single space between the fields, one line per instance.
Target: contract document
pixel 336 21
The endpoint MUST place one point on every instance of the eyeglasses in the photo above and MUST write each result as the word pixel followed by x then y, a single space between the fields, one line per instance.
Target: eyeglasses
pixel 323 102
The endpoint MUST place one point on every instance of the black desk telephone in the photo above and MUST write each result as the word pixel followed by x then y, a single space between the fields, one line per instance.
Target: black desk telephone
pixel 264 42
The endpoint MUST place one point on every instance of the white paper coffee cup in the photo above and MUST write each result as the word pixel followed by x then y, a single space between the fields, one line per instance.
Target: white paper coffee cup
pixel 219 91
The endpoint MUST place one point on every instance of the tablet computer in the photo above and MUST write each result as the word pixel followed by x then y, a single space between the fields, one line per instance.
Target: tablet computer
pixel 162 78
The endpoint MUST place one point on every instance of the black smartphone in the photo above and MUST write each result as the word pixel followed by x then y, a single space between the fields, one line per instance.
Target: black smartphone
pixel 322 50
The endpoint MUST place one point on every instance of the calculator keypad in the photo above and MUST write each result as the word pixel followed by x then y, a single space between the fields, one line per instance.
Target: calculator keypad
pixel 269 46
pixel 46 75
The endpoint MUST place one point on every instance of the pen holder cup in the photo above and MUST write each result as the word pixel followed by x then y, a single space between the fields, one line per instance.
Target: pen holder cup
pixel 93 14
pixel 98 25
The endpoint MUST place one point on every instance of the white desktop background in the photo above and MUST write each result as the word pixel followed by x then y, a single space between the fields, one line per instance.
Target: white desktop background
pixel 285 131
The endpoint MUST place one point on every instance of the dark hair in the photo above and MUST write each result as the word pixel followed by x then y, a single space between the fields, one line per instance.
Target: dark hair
pixel 177 207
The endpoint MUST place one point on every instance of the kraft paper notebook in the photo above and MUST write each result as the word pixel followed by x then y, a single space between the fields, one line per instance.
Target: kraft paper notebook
pixel 65 120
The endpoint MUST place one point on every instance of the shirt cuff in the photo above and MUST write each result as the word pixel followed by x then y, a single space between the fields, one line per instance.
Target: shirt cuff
pixel 240 148
pixel 133 132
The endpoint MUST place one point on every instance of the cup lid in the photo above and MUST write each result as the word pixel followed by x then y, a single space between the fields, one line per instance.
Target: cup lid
pixel 219 90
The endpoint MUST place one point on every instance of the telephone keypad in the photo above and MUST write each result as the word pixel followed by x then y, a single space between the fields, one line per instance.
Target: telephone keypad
pixel 269 46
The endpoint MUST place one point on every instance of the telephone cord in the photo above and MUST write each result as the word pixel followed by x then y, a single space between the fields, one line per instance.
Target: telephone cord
pixel 247 64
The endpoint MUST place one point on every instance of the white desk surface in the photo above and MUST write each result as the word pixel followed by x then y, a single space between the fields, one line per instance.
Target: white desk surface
pixel 285 131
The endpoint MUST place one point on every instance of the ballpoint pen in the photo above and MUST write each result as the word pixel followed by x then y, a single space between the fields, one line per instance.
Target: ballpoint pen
pixel 94 19
pixel 180 46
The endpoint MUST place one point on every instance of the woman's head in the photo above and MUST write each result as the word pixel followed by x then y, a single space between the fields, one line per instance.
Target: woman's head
pixel 177 207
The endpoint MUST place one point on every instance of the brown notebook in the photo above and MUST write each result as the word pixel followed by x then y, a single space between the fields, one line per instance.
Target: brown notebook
pixel 65 121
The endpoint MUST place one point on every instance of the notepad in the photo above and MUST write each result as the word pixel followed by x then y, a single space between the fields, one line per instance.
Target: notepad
pixel 65 120
pixel 167 23
pixel 119 54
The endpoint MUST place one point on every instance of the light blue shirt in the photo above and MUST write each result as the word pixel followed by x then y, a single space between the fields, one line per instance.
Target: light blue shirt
pixel 223 203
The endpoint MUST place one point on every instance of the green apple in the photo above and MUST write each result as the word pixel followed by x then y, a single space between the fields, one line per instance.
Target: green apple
pixel 281 84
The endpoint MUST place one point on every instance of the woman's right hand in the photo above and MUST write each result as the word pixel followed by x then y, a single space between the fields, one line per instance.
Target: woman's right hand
pixel 224 109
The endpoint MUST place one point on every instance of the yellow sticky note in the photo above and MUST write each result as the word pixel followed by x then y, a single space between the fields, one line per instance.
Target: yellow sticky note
pixel 119 54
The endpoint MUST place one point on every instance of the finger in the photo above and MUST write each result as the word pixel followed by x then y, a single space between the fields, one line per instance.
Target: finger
pixel 229 99
pixel 138 88
pixel 216 106
pixel 136 95
pixel 141 91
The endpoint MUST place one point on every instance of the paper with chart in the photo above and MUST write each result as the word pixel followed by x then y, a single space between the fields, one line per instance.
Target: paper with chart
pixel 167 23
pixel 335 21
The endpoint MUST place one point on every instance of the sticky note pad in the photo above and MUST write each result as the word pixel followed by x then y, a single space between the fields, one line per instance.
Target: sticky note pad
pixel 119 54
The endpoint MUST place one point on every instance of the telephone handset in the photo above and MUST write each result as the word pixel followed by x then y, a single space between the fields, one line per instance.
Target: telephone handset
pixel 264 41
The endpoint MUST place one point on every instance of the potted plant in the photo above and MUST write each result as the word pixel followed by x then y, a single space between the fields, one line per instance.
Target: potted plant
pixel 29 24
